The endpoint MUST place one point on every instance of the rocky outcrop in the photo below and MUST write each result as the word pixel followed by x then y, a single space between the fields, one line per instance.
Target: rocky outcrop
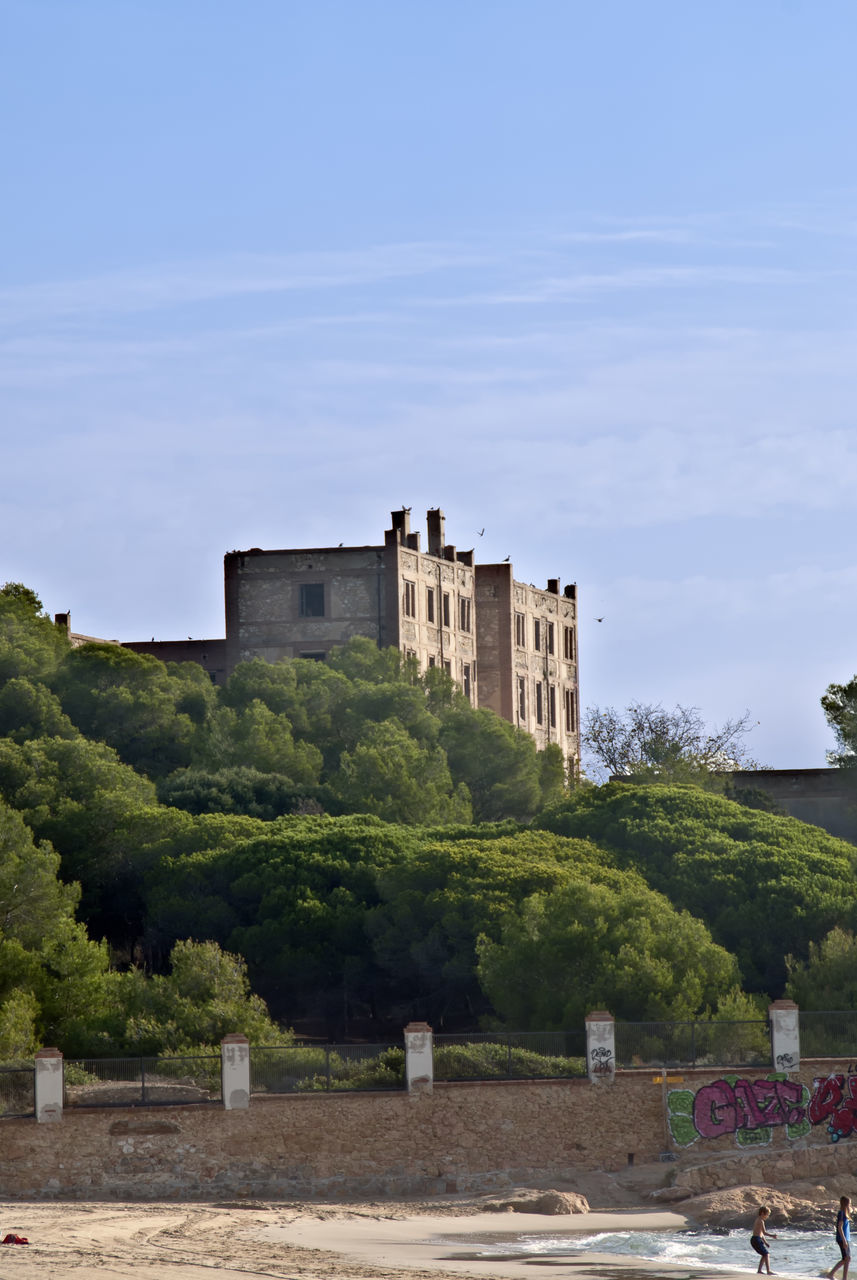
pixel 536 1201
pixel 735 1207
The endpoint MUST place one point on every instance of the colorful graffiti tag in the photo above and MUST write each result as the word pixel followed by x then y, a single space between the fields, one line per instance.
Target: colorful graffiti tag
pixel 834 1101
pixel 750 1109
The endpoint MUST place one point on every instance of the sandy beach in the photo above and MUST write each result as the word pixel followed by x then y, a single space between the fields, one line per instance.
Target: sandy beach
pixel 429 1240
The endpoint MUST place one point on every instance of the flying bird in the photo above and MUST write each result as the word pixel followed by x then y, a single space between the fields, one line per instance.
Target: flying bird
pixel 599 619
pixel 480 532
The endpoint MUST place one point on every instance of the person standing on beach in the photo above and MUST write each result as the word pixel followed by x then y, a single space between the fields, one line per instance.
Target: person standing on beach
pixel 759 1239
pixel 843 1238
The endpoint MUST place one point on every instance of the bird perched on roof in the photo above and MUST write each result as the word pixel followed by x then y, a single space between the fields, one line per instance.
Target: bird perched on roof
pixel 507 559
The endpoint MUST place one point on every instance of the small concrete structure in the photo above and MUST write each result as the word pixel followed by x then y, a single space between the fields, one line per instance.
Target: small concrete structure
pixel 235 1072
pixel 48 1086
pixel 419 1057
pixel 601 1045
pixel 785 1035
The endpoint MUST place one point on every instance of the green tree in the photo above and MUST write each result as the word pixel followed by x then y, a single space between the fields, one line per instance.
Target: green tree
pixel 732 867
pixel 30 645
pixel 388 773
pixel 827 978
pixel 293 901
pixel 237 790
pixel 205 996
pixel 260 739
pixel 839 704
pixel 131 701
pixel 23 596
pixel 452 889
pixel 498 764
pixel 28 710
pixel 51 975
pixel 613 945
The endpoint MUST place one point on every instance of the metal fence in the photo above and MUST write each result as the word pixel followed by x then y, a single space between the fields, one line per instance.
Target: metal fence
pixel 692 1044
pixel 510 1055
pixel 829 1034
pixel 17 1091
pixel 489 1055
pixel 141 1082
pixel 326 1068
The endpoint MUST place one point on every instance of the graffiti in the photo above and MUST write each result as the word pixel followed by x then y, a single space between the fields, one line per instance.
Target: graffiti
pixel 602 1062
pixel 749 1109
pixel 834 1102
pixel 787 1062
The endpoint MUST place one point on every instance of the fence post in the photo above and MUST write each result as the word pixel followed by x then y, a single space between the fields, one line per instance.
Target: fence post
pixel 419 1057
pixel 48 1085
pixel 784 1017
pixel 235 1072
pixel 600 1045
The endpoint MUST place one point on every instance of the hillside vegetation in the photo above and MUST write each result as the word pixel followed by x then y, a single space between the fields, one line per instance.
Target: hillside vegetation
pixel 353 843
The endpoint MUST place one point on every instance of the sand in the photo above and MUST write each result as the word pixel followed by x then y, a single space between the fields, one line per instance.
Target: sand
pixel 433 1240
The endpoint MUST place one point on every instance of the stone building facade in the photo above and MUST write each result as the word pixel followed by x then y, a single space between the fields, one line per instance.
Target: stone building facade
pixel 509 646
pixel 301 603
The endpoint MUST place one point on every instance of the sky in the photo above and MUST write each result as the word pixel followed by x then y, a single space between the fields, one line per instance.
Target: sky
pixel 583 275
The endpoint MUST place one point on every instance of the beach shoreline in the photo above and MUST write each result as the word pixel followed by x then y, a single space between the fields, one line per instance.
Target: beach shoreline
pixel 431 1240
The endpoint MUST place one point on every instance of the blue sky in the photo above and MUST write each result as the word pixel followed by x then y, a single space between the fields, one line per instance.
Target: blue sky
pixel 582 275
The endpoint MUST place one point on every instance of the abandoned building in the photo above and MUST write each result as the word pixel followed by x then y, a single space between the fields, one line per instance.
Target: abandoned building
pixel 510 646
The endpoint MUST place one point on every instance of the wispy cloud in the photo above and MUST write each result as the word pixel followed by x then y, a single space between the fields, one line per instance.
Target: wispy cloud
pixel 176 284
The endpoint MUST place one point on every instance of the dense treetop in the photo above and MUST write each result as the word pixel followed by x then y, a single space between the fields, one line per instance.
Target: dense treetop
pixel 354 844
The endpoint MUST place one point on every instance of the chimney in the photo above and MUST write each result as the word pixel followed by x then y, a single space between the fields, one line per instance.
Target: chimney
pixel 436 532
pixel 401 524
pixel 553 586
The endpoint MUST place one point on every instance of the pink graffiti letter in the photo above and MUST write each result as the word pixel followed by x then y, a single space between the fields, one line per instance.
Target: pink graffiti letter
pixel 714 1110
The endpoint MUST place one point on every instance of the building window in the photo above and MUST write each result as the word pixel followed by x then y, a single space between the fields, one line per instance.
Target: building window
pixel 430 604
pixel 568 643
pixel 432 660
pixel 464 613
pixel 570 711
pixel 446 608
pixel 312 600
pixel 537 634
pixel 409 599
pixel 540 707
pixel 465 671
pixel 447 666
pixel 313 655
pixel 552 705
pixel 520 631
pixel 522 698
pixel 550 631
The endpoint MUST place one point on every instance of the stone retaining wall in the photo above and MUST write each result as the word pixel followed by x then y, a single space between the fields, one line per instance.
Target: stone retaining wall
pixel 460 1137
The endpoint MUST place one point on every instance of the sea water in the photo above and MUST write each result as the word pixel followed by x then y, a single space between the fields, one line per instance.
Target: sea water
pixel 793 1253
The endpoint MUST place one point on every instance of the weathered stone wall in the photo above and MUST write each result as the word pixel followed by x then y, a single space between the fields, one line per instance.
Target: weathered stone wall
pixel 263 617
pixel 459 1137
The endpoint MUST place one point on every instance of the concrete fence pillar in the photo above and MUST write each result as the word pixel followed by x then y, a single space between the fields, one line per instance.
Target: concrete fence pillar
pixel 600 1045
pixel 235 1072
pixel 48 1086
pixel 784 1016
pixel 419 1057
